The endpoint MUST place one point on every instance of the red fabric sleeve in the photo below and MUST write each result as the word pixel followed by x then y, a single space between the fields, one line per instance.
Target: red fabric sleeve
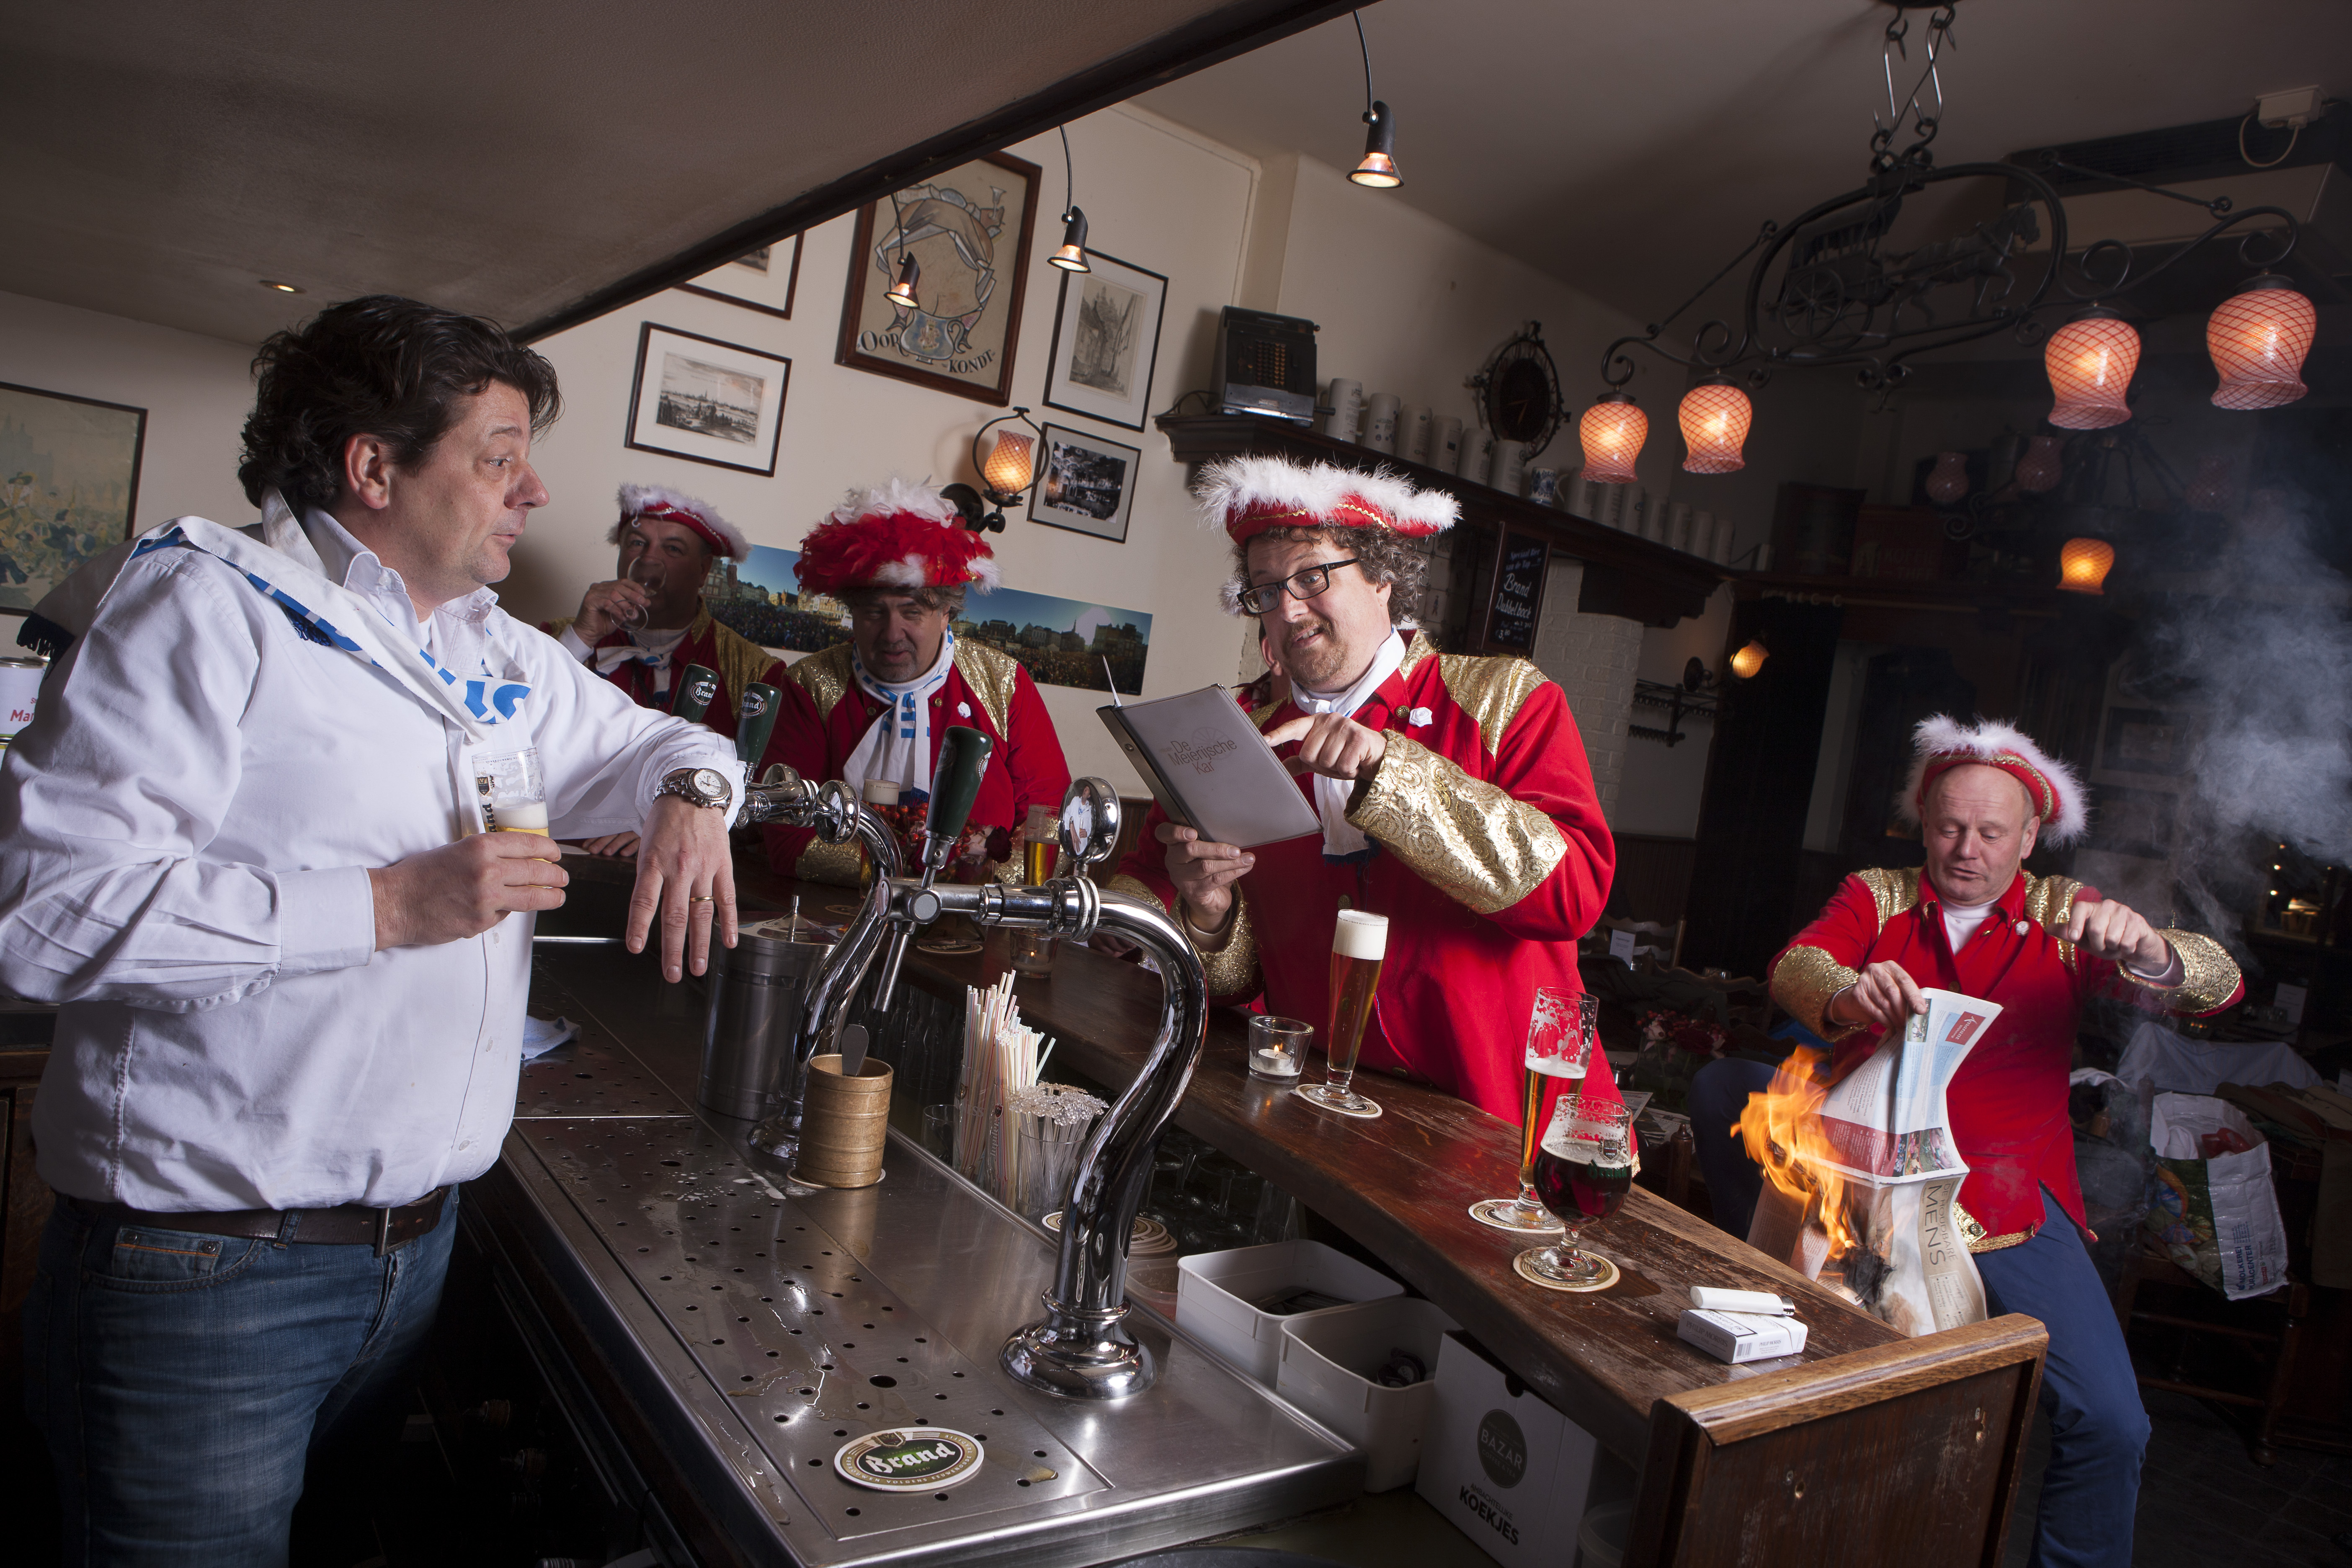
pixel 1845 929
pixel 1033 758
pixel 1542 763
pixel 799 743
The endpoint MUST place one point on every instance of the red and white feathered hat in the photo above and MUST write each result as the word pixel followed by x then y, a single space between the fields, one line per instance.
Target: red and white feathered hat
pixel 897 535
pixel 660 501
pixel 1247 496
pixel 1945 744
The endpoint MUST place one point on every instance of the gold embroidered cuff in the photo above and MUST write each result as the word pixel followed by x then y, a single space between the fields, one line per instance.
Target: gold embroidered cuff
pixel 823 862
pixel 1460 835
pixel 1232 968
pixel 1804 981
pixel 2209 974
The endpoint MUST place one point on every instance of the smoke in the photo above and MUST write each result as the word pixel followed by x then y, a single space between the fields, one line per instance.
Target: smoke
pixel 2262 658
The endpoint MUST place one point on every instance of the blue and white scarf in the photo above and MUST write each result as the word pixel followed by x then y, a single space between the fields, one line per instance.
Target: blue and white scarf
pixel 897 747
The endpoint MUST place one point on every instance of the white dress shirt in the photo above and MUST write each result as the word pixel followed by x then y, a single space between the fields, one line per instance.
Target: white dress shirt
pixel 185 833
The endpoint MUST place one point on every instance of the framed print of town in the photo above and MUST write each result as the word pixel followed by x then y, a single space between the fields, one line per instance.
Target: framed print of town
pixel 707 401
pixel 1106 342
pixel 1088 484
pixel 68 486
pixel 968 232
pixel 760 279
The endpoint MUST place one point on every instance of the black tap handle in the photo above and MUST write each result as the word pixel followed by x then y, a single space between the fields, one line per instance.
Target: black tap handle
pixel 755 723
pixel 955 784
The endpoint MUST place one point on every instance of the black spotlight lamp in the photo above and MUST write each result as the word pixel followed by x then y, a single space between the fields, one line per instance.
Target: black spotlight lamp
pixel 1379 168
pixel 1008 470
pixel 1072 256
pixel 902 292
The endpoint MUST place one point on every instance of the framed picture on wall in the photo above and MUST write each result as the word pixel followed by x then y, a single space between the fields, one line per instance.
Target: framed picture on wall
pixel 966 231
pixel 1106 342
pixel 1088 484
pixel 68 485
pixel 761 279
pixel 707 401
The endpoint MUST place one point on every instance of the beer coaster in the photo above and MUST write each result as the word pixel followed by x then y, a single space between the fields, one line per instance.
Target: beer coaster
pixel 1488 1211
pixel 948 948
pixel 1365 1115
pixel 795 1178
pixel 1608 1276
pixel 910 1459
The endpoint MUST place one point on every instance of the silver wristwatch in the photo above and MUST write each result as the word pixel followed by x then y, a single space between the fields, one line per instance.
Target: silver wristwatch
pixel 699 786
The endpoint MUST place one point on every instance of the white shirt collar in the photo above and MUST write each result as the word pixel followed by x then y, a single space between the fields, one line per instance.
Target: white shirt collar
pixel 348 562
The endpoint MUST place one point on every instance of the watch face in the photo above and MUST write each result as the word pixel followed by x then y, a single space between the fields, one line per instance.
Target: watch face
pixel 710 784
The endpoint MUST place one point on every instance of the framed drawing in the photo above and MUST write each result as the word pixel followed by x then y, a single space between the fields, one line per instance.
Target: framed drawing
pixel 968 231
pixel 761 279
pixel 707 401
pixel 1106 342
pixel 68 485
pixel 1088 484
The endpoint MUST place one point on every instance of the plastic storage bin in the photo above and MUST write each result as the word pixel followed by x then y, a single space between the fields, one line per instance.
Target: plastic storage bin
pixel 1326 1357
pixel 1216 1294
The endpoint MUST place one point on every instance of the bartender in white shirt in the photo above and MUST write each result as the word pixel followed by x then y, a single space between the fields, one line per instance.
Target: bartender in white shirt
pixel 241 843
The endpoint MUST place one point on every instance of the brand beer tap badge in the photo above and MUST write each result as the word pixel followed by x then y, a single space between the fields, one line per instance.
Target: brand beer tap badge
pixel 910 1459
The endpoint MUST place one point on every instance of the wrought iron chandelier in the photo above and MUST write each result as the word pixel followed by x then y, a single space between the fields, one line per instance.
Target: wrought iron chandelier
pixel 1830 290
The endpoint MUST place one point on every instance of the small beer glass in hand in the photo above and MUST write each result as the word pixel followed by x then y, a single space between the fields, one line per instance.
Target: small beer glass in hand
pixel 1560 1038
pixel 513 791
pixel 1584 1172
pixel 1357 944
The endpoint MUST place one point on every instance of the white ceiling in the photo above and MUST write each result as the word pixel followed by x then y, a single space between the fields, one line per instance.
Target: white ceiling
pixel 1632 147
pixel 507 158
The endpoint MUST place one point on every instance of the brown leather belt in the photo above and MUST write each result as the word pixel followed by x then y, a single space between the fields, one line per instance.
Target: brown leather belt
pixel 347 1224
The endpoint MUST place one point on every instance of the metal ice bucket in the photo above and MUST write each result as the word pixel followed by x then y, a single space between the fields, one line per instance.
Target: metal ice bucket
pixel 757 991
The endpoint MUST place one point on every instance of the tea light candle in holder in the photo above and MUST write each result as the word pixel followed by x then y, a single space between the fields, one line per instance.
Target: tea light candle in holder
pixel 1277 1051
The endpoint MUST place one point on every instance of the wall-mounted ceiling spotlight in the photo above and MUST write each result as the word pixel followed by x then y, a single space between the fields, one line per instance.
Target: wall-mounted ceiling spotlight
pixel 1379 168
pixel 1072 256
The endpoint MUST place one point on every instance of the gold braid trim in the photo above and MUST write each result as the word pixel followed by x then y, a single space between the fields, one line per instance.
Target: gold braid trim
pixel 1232 968
pixel 1972 1233
pixel 2049 904
pixel 1894 891
pixel 823 862
pixel 2209 976
pixel 991 677
pixel 824 676
pixel 1463 835
pixel 742 661
pixel 1491 690
pixel 1418 647
pixel 1804 981
pixel 1121 882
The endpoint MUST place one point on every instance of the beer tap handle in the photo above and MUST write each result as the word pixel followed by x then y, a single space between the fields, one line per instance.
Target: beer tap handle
pixel 690 699
pixel 754 725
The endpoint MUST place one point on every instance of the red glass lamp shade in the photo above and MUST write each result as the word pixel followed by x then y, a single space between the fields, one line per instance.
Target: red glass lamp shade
pixel 1948 481
pixel 1749 660
pixel 1007 470
pixel 2258 341
pixel 2091 360
pixel 2084 565
pixel 1612 431
pixel 2044 465
pixel 1715 418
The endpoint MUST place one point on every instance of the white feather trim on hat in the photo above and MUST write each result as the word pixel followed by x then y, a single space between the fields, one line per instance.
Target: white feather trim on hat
pixel 637 498
pixel 1988 740
pixel 897 495
pixel 1241 484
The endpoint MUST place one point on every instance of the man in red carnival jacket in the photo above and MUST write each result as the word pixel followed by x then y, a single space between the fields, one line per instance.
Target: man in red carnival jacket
pixel 873 709
pixel 1973 922
pixel 666 543
pixel 1454 794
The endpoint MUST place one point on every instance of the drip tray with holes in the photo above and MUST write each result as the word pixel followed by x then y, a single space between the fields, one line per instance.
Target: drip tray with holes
pixel 785 1326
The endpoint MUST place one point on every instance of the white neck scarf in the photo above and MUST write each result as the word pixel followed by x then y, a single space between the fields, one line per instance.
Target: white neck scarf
pixel 1341 838
pixel 897 747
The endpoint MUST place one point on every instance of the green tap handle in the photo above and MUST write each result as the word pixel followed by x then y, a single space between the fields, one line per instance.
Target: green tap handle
pixel 963 758
pixel 754 725
pixel 696 687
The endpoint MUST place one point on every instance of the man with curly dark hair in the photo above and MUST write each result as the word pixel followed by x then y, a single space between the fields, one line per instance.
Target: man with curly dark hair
pixel 243 846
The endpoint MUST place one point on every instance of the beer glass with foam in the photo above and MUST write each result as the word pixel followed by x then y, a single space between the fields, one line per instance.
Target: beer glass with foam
pixel 1561 1036
pixel 1583 1170
pixel 1357 944
pixel 513 791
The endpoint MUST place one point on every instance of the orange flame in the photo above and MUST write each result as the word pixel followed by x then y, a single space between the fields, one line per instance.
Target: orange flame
pixel 1782 1129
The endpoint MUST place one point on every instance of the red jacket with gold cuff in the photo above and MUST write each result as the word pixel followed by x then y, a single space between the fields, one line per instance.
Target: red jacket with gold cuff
pixel 2008 1101
pixel 824 713
pixel 1491 859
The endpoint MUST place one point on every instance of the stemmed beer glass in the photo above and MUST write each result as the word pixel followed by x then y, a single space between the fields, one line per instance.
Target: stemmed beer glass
pixel 1560 1036
pixel 1584 1172
pixel 647 574
pixel 1359 942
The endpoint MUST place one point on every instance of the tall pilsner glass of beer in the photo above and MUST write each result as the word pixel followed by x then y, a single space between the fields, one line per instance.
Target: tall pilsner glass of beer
pixel 1357 944
pixel 1560 1036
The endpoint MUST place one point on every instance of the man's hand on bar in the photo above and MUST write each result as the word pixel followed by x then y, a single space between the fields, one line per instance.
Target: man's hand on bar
pixel 1204 872
pixel 684 872
pixel 1884 996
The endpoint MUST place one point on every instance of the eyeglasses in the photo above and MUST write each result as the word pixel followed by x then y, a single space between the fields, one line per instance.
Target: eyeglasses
pixel 1304 584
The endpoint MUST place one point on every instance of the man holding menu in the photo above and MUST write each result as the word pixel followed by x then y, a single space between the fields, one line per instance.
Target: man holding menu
pixel 1453 791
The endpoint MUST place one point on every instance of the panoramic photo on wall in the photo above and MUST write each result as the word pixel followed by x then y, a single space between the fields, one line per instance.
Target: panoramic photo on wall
pixel 1060 642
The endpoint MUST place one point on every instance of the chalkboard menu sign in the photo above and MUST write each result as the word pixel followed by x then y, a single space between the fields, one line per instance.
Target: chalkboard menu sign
pixel 1519 593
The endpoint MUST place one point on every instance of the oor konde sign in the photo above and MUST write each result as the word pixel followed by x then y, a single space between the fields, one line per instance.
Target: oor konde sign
pixel 910 1459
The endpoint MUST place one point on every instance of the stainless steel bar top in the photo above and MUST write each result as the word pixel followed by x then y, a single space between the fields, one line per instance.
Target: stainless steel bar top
pixel 756 1327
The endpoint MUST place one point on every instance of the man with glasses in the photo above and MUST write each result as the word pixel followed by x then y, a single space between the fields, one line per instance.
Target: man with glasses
pixel 1454 794
pixel 872 710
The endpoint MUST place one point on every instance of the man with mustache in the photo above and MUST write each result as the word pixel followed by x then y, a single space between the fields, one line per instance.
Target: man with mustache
pixel 1454 794
pixel 872 710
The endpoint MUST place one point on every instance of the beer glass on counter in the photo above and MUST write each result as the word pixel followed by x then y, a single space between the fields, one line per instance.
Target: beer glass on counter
pixel 1032 951
pixel 1583 1170
pixel 1357 944
pixel 513 791
pixel 1560 1038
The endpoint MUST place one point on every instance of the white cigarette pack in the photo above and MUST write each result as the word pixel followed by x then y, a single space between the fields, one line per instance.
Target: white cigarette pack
pixel 1741 1336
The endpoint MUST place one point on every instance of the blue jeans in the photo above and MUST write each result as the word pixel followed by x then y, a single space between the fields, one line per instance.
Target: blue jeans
pixel 1718 1093
pixel 184 1380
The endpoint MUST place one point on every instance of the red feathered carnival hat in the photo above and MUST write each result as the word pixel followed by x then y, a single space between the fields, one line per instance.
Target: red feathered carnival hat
pixel 658 500
pixel 1247 496
pixel 1943 743
pixel 895 536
